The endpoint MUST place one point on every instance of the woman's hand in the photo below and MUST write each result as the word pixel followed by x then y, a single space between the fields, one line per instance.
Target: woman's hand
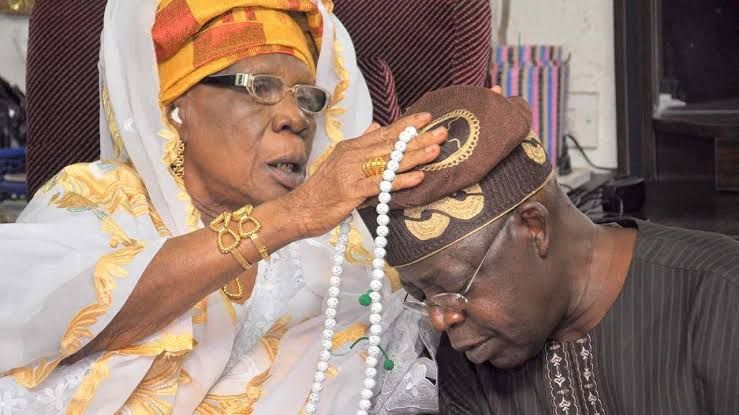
pixel 339 186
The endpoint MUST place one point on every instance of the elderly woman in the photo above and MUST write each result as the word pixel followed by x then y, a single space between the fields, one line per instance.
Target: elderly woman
pixel 163 278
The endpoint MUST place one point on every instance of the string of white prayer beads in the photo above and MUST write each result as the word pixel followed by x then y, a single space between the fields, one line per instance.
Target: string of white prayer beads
pixel 378 273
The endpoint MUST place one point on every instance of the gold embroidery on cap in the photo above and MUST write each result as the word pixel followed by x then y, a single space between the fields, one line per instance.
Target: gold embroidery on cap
pixel 464 148
pixel 428 229
pixel 533 148
pixel 442 211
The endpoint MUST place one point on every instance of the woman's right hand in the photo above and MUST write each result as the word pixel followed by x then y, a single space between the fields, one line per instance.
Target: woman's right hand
pixel 339 185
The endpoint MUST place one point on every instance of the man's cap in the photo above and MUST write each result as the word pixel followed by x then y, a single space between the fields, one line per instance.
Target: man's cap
pixel 490 163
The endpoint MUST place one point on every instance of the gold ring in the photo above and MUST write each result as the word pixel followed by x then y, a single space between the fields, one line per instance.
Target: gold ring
pixel 374 167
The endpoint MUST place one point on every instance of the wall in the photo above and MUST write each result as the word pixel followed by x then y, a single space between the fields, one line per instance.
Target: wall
pixel 13 46
pixel 585 29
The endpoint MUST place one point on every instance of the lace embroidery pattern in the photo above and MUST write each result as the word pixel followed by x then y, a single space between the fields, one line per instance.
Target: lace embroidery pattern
pixel 559 380
pixel 282 278
pixel 410 387
pixel 571 378
pixel 585 369
pixel 51 397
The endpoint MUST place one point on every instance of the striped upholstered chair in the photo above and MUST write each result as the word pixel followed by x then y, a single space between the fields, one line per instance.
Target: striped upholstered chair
pixel 62 86
pixel 408 47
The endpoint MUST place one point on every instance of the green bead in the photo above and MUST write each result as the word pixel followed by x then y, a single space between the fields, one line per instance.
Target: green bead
pixel 365 299
pixel 388 365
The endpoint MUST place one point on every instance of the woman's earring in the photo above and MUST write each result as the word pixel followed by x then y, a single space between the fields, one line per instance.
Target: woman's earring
pixel 178 165
pixel 175 115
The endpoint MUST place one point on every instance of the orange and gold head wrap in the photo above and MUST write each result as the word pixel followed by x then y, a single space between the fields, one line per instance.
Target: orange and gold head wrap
pixel 197 38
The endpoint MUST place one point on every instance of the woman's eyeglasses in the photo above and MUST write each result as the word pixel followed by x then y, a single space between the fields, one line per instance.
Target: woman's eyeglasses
pixel 269 89
pixel 456 302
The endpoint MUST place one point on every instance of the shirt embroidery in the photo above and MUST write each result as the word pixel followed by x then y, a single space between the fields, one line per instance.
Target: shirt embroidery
pixel 571 379
pixel 584 367
pixel 559 380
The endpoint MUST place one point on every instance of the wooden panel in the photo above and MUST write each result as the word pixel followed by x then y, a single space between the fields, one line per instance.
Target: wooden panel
pixel 700 49
pixel 727 164
pixel 635 46
pixel 707 119
pixel 681 156
pixel 693 204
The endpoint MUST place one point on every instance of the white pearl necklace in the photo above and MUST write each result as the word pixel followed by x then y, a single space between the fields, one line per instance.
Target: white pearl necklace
pixel 378 273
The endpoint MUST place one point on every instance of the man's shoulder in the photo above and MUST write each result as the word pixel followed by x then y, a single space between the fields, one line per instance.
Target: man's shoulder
pixel 689 250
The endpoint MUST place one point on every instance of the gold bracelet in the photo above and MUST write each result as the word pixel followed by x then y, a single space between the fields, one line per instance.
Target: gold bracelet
pixel 220 225
pixel 244 215
pixel 240 259
pixel 231 295
pixel 260 246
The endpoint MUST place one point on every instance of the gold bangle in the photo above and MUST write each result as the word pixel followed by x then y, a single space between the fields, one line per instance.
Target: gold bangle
pixel 243 215
pixel 231 295
pixel 240 259
pixel 260 246
pixel 221 226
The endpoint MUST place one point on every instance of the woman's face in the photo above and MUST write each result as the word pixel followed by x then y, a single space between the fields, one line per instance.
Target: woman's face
pixel 238 150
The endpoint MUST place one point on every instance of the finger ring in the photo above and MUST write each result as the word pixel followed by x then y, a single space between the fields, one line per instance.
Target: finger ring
pixel 374 167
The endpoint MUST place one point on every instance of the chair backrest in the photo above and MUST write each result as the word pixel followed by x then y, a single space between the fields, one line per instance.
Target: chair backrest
pixel 62 86
pixel 407 48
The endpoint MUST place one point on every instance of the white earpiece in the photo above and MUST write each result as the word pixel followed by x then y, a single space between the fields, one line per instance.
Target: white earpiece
pixel 176 115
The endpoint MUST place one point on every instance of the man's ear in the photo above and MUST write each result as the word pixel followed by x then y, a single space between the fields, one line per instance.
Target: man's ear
pixel 534 222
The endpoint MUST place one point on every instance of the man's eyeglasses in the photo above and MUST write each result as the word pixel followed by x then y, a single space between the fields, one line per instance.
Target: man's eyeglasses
pixel 269 89
pixel 451 301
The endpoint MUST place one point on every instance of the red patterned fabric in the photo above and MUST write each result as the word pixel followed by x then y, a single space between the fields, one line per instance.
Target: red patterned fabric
pixel 62 86
pixel 423 44
pixel 197 38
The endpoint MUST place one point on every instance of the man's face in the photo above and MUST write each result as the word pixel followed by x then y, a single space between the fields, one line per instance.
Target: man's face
pixel 514 303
